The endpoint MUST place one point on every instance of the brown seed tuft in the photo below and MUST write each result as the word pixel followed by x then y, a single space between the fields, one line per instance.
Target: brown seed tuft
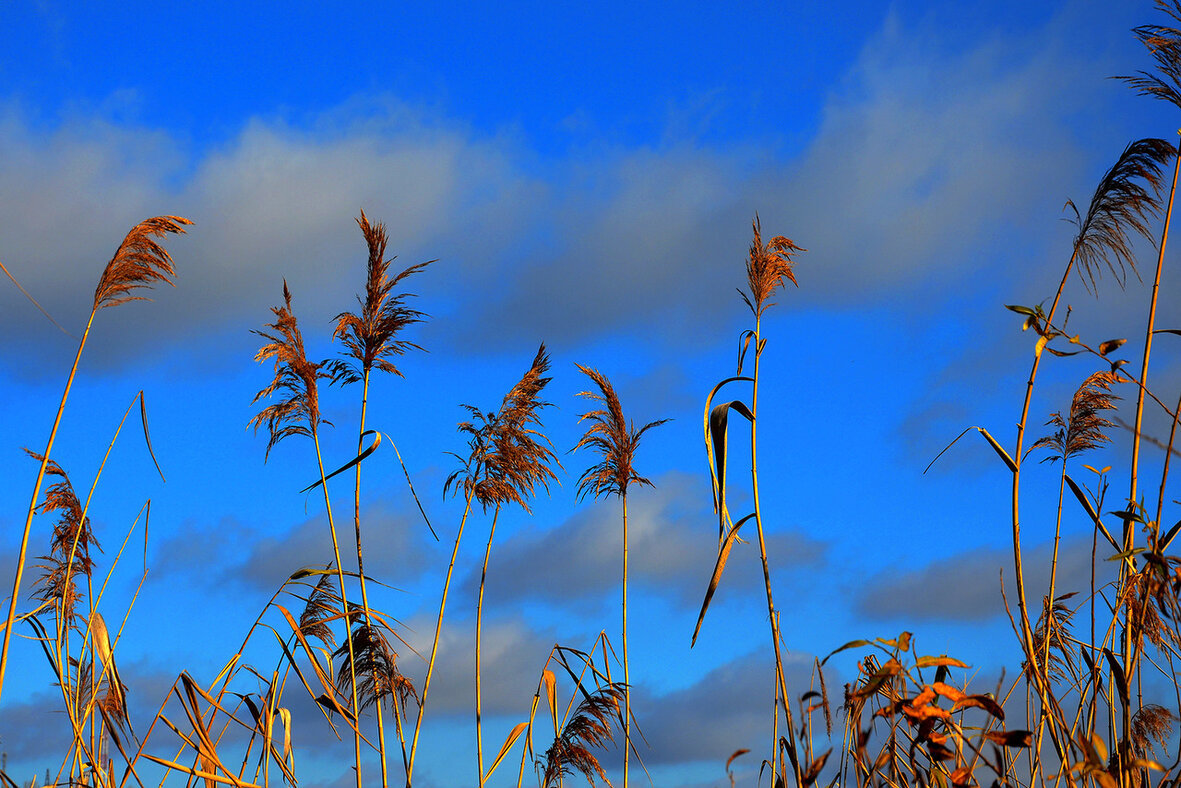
pixel 139 262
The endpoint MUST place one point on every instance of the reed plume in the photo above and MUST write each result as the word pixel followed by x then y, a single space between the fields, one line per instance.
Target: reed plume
pixel 1164 44
pixel 323 605
pixel 1125 200
pixel 1082 429
pixel 507 458
pixel 139 262
pixel 766 268
pixel 69 546
pixel 371 337
pixel 588 729
pixel 296 378
pixel 616 441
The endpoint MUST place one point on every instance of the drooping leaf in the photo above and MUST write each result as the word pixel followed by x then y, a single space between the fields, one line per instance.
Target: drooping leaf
pixel 718 420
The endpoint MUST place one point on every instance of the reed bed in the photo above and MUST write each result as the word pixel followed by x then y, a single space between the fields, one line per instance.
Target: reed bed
pixel 1074 712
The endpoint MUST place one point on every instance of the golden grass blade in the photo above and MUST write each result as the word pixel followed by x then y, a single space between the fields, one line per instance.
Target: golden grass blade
pixel 351 463
pixel 1086 503
pixel 734 755
pixel 551 695
pixel 723 555
pixel 410 484
pixel 1000 450
pixel 514 734
pixel 197 773
pixel 938 662
pixel 709 446
pixel 814 770
pixel 34 302
pixel 718 420
pixel 143 416
pixel 1118 677
pixel 285 717
pixel 101 640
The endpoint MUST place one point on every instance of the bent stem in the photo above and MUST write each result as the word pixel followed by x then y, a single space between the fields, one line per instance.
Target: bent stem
pixel 20 560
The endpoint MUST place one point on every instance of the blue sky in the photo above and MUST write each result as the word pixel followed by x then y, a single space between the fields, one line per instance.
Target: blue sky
pixel 587 179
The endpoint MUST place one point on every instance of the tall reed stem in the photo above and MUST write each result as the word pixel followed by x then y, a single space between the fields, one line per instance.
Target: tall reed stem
pixel 20 559
pixel 430 665
pixel 627 682
pixel 479 652
pixel 754 477
pixel 1129 530
pixel 361 573
pixel 344 601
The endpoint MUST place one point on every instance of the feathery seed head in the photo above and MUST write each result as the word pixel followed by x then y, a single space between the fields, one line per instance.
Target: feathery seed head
pixel 613 438
pixel 370 338
pixel 299 412
pixel 507 457
pixel 1124 202
pixel 70 543
pixel 138 262
pixel 1083 429
pixel 589 728
pixel 767 267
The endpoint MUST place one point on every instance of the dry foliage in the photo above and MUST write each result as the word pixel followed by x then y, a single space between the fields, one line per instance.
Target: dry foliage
pixel 371 338
pixel 139 262
pixel 589 729
pixel 766 268
pixel 507 457
pixel 298 412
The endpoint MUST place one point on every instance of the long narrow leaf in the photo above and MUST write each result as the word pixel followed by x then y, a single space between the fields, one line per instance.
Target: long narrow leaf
pixel 719 566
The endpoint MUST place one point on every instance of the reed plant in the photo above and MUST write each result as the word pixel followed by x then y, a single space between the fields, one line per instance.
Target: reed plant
pixel 139 262
pixel 372 340
pixel 615 440
pixel 297 412
pixel 1080 709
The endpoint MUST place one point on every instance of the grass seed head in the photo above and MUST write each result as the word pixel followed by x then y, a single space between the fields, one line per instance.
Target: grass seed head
pixel 1083 429
pixel 1124 202
pixel 371 336
pixel 589 728
pixel 298 413
pixel 768 265
pixel 140 261
pixel 508 458
pixel 610 435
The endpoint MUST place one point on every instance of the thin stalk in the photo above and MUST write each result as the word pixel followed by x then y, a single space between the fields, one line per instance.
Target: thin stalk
pixel 20 559
pixel 1164 476
pixel 1129 531
pixel 479 641
pixel 754 475
pixel 627 684
pixel 430 665
pixel 361 568
pixel 1018 568
pixel 344 600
